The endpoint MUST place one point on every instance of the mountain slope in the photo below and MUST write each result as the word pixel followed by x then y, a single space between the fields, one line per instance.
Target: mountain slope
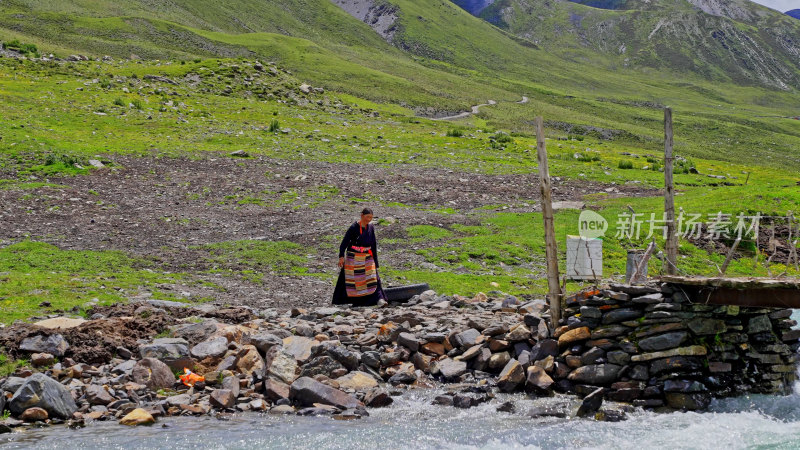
pixel 735 40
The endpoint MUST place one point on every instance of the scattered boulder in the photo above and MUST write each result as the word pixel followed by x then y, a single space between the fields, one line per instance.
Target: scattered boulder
pixel 153 373
pixel 54 344
pixel 41 391
pixel 222 398
pixel 307 391
pixel 34 414
pixel 137 417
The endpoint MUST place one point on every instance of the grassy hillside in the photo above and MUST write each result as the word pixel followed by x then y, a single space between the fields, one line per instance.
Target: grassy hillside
pixel 149 119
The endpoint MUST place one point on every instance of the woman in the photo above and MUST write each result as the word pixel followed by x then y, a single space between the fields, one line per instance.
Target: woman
pixel 358 282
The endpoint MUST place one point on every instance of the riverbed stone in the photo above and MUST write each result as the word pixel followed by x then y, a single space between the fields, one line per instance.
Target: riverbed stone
pixel 466 338
pixel 307 391
pixel 34 414
pixel 249 361
pixel 664 341
pixel 54 344
pixel 595 374
pixel 409 341
pixel 518 333
pixel 41 391
pixel 591 403
pixel 321 365
pixel 299 347
pixel 98 395
pixel 281 365
pixel 137 417
pixel 174 352
pixel 275 390
pixel 688 401
pixel 511 376
pixel 212 348
pixel 265 341
pixel 357 381
pixel 451 369
pixel 538 380
pixel 222 398
pixel 194 333
pixel 153 373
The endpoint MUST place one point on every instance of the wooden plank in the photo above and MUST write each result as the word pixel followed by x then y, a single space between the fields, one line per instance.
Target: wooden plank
pixel 551 248
pixel 757 298
pixel 671 244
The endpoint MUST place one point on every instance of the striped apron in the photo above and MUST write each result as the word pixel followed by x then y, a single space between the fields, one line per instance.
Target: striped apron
pixel 360 275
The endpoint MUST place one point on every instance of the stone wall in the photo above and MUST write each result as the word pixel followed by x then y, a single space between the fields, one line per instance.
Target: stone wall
pixel 654 347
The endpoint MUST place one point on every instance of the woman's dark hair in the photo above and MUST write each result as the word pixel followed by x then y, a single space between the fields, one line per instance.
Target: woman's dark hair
pixel 366 211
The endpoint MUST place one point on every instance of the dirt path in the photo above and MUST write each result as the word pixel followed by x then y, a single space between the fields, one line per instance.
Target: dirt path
pixel 161 208
pixel 476 109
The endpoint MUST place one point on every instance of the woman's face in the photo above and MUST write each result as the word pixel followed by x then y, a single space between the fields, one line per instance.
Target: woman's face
pixel 366 218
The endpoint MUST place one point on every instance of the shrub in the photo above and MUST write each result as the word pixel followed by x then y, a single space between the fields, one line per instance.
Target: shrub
pixel 274 126
pixel 502 138
pixel 455 132
pixel 119 102
pixel 18 46
pixel 105 83
pixel 625 165
pixel 137 103
pixel 588 157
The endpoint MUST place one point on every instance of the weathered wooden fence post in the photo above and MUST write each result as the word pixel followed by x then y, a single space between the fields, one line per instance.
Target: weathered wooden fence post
pixel 551 249
pixel 671 243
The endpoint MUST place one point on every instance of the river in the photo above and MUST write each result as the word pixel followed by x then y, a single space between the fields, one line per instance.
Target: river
pixel 753 422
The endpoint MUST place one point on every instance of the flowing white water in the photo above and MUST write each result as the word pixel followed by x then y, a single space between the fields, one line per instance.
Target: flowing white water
pixel 756 421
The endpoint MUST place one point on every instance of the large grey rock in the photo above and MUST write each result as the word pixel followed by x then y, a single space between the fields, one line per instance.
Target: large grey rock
pixel 280 365
pixel 98 395
pixel 663 341
pixel 196 332
pixel 212 348
pixel 321 365
pixel 174 352
pixel 265 341
pixel 511 377
pixel 299 347
pixel 450 368
pixel 12 384
pixel 43 392
pixel 55 344
pixel 153 373
pixel 307 391
pixel 466 338
pixel 595 374
pixel 409 341
pixel 591 403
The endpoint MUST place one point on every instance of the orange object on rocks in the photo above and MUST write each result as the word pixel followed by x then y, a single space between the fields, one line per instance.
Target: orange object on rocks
pixel 189 378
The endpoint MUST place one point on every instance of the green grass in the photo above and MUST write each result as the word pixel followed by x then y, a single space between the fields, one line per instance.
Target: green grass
pixel 8 366
pixel 35 272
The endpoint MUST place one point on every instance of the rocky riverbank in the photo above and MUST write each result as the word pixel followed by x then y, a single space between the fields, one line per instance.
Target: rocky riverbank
pixel 644 346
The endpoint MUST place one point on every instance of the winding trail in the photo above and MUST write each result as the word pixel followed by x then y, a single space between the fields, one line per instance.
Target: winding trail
pixel 475 110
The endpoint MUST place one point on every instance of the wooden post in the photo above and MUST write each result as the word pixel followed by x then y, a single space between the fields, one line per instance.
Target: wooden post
pixel 730 256
pixel 671 244
pixel 551 249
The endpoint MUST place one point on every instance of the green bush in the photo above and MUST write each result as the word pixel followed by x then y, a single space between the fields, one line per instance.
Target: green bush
pixel 588 157
pixel 502 138
pixel 137 103
pixel 625 165
pixel 24 49
pixel 274 126
pixel 119 102
pixel 455 132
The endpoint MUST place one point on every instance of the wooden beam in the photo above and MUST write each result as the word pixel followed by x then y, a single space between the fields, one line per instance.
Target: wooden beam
pixel 671 244
pixel 551 248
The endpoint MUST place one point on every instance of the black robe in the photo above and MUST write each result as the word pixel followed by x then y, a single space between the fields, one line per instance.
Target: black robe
pixel 355 237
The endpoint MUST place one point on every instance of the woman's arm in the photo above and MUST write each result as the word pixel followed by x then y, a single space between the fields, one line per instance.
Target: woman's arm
pixel 348 236
pixel 374 248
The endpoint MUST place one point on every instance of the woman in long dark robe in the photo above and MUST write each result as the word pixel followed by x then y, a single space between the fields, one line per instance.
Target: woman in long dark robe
pixel 359 283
